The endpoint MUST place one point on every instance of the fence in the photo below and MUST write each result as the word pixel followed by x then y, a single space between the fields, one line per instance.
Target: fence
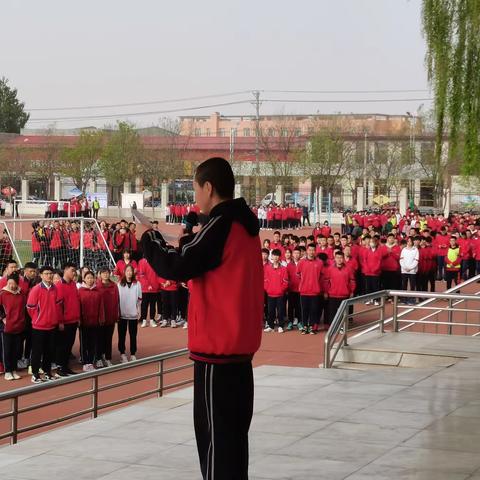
pixel 53 408
pixel 41 208
pixel 54 242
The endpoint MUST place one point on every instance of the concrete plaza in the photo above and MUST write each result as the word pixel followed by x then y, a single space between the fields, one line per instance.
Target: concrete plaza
pixel 379 423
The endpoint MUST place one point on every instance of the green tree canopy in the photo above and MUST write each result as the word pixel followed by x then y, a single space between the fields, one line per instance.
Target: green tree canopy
pixel 452 33
pixel 81 163
pixel 12 112
pixel 122 155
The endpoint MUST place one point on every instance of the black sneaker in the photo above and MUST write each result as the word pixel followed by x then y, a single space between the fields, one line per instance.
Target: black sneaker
pixel 311 331
pixel 61 372
pixel 69 371
pixel 37 379
pixel 304 330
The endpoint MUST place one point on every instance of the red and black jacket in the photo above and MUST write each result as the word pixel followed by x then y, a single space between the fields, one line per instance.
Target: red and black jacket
pixel 225 312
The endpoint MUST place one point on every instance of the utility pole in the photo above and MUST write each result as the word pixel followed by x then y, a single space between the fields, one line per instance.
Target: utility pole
pixel 365 155
pixel 257 103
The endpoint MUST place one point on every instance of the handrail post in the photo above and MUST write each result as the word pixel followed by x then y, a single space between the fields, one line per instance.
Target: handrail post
pixel 345 327
pixel 395 313
pixel 382 314
pixel 160 378
pixel 450 315
pixel 15 419
pixel 95 396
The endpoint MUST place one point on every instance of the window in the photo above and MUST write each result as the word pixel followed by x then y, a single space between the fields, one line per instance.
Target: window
pixel 207 132
pixel 246 132
pixel 298 132
pixel 198 132
pixel 221 132
pixel 271 132
pixel 233 132
pixel 284 132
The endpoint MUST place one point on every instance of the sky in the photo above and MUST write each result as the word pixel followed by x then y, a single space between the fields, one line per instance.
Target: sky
pixel 61 54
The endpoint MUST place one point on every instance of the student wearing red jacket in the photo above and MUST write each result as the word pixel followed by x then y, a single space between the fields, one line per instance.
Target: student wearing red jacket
pixel 74 244
pixel 276 286
pixel 426 266
pixel 372 266
pixel 390 265
pixel 65 337
pixel 121 264
pixel 310 272
pixel 148 280
pixel 111 303
pixel 12 318
pixel 465 242
pixel 293 310
pixel 441 244
pixel 44 305
pixel 339 284
pixel 92 317
pixel 224 315
pixel 169 294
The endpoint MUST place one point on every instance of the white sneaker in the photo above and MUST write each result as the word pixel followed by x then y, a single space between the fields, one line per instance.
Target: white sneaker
pixel 108 363
pixel 91 368
pixel 8 376
pixel 133 358
pixel 280 330
pixel 153 323
pixel 54 366
pixel 268 329
pixel 144 324
pixel 295 321
pixel 158 317
pixel 164 323
pixel 123 358
pixel 173 324
pixel 22 363
pixel 368 302
pixel 16 376
pixel 185 325
pixel 29 371
pixel 85 368
pixel 376 302
pixel 99 364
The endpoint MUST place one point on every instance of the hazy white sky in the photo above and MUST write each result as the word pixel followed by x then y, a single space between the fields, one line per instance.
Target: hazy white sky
pixel 61 53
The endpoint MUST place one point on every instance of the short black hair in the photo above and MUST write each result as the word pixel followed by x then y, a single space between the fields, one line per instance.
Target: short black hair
pixel 69 265
pixel 265 250
pixel 45 268
pixel 30 265
pixel 219 173
pixel 14 276
pixel 276 252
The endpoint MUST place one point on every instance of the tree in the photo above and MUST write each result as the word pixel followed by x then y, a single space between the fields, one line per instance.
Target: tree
pixel 452 32
pixel 122 155
pixel 327 157
pixel 80 163
pixel 48 161
pixel 12 112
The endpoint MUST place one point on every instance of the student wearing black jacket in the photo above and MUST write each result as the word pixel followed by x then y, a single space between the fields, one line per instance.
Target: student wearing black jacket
pixel 225 316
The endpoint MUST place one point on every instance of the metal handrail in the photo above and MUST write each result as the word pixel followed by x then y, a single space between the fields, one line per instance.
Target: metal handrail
pixel 14 395
pixel 340 323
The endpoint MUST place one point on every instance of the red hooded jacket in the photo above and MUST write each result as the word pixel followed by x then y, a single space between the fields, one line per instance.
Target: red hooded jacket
pixel 45 306
pixel 71 301
pixel 276 281
pixel 147 277
pixel 92 310
pixel 339 282
pixel 12 309
pixel 111 301
pixel 310 273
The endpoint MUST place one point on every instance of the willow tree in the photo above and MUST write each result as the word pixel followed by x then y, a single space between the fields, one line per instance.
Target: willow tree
pixel 452 32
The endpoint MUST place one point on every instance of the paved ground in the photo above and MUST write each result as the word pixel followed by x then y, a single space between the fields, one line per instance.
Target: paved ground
pixel 308 424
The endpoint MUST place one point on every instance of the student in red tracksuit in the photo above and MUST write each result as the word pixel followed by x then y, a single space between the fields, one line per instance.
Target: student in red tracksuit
pixel 169 294
pixel 44 305
pixel 65 337
pixel 391 279
pixel 293 310
pixel 441 244
pixel 12 316
pixel 111 303
pixel 121 264
pixel 92 317
pixel 224 316
pixel 276 286
pixel 148 280
pixel 310 272
pixel 372 266
pixel 339 284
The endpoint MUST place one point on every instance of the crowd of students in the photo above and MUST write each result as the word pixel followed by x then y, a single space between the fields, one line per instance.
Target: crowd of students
pixel 306 278
pixel 42 310
pixel 76 207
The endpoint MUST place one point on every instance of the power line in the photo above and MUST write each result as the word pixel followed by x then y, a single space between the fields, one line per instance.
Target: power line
pixel 134 114
pixel 345 91
pixel 370 100
pixel 136 104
